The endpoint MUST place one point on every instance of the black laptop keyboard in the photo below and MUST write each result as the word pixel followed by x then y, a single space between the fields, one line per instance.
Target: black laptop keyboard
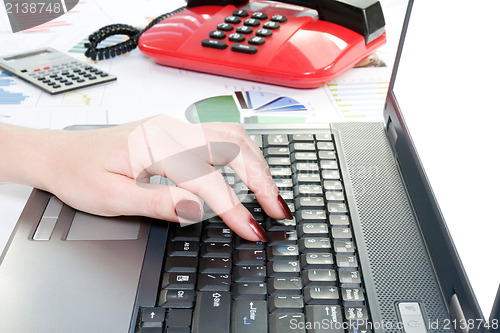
pixel 307 278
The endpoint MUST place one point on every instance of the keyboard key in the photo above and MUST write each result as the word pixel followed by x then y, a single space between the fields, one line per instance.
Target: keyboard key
pixel 319 277
pixel 214 282
pixel 216 250
pixel 215 265
pixel 285 303
pixel 173 298
pixel 321 295
pixel 286 323
pixel 179 280
pixel 280 268
pixel 282 252
pixel 331 314
pixel 179 317
pixel 212 312
pixel 249 257
pixel 181 264
pixel 353 296
pixel 285 285
pixel 152 317
pixel 249 316
pixel 249 273
pixel 183 248
pixel 253 290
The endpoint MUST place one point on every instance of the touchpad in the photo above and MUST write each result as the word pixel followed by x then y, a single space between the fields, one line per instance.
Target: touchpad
pixel 92 227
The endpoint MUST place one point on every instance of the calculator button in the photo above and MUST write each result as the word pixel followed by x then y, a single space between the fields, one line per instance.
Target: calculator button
pixel 216 44
pixel 259 15
pixel 232 19
pixel 217 34
pixel 272 25
pixel 24 70
pixel 251 22
pixel 236 37
pixel 225 26
pixel 240 13
pixel 249 49
pixel 243 29
pixel 80 80
pixel 256 40
pixel 57 86
pixel 279 18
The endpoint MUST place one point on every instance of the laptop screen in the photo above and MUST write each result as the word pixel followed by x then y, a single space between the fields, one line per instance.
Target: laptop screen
pixel 447 92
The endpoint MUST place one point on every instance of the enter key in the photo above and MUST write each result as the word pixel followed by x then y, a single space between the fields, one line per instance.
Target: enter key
pixel 249 316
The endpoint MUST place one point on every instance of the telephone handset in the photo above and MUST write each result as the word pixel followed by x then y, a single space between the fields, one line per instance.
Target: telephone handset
pixel 292 43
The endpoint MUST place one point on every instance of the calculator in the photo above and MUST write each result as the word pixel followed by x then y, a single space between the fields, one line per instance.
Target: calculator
pixel 53 71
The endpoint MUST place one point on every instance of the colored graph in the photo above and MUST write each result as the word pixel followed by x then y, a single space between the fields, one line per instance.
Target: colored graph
pixel 360 101
pixel 247 107
pixel 8 97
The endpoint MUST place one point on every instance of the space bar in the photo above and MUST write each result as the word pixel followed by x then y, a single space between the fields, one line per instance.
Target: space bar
pixel 212 312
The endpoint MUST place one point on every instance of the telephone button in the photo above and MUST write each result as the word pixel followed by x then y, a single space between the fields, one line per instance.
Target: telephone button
pixel 248 49
pixel 235 37
pixel 272 25
pixel 225 26
pixel 217 34
pixel 256 40
pixel 259 15
pixel 233 19
pixel 215 44
pixel 264 32
pixel 243 29
pixel 279 18
pixel 240 13
pixel 252 22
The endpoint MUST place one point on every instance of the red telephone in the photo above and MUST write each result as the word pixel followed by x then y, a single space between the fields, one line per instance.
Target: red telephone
pixel 267 41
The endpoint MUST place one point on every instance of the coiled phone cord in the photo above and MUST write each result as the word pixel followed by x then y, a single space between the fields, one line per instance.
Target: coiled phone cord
pixel 98 53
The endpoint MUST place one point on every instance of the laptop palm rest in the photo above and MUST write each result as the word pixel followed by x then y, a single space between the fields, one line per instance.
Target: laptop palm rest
pixel 92 262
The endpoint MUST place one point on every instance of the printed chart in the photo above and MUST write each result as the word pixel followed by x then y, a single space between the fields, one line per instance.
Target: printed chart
pixel 248 107
pixel 8 97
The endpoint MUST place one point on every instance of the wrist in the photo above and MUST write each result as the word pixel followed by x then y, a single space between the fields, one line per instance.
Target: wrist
pixel 27 155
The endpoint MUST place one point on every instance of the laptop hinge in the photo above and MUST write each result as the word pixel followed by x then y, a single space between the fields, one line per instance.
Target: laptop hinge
pixel 391 134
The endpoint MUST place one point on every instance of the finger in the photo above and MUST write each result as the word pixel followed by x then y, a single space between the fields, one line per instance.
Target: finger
pixel 155 200
pixel 249 164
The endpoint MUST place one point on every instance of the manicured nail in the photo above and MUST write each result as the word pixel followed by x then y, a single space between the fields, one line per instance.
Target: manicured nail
pixel 189 209
pixel 285 208
pixel 258 230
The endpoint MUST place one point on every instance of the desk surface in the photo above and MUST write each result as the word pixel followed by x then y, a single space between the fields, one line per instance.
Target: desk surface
pixel 150 89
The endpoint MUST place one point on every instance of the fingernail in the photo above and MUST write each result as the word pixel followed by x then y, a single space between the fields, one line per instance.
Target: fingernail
pixel 189 209
pixel 285 208
pixel 258 230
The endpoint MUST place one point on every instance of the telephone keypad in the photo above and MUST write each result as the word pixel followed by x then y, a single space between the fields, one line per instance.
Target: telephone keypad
pixel 247 27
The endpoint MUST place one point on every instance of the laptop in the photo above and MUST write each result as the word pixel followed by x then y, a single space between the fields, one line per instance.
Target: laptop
pixel 368 249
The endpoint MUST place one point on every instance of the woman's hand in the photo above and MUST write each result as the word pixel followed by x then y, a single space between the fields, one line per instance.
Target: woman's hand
pixel 107 171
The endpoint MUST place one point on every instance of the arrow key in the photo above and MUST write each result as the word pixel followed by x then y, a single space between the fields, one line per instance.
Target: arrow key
pixel 152 317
